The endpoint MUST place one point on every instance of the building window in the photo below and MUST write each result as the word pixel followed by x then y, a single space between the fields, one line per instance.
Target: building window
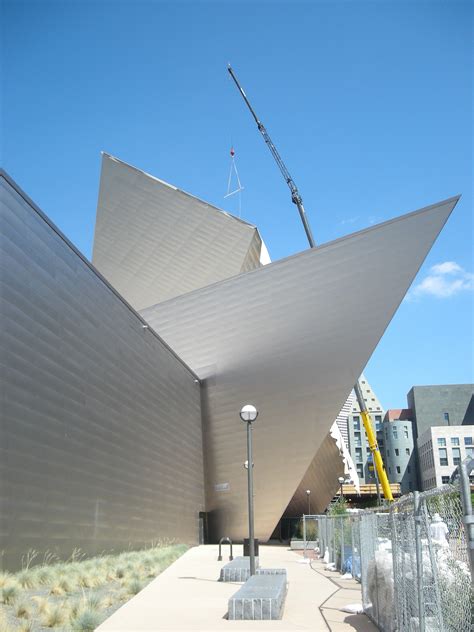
pixel 394 432
pixel 357 441
pixel 358 454
pixel 444 480
pixel 397 452
pixel 367 450
pixel 388 452
pixel 356 422
pixel 443 456
pixel 454 440
pixel 381 443
pixel 456 456
pixel 398 469
pixel 470 453
pixel 378 418
pixel 405 432
pixel 389 470
pixel 407 451
pixel 468 441
pixel 441 441
pixel 360 470
pixel 446 417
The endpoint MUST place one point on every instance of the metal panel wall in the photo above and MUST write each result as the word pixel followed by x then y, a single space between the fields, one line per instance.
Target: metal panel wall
pixel 100 436
pixel 291 338
pixel 153 241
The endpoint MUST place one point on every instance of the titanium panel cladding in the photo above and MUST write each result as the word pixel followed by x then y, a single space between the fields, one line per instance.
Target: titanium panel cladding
pixel 290 338
pixel 101 437
pixel 154 242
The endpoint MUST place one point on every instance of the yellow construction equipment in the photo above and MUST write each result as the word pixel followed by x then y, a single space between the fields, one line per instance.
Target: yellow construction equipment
pixel 373 445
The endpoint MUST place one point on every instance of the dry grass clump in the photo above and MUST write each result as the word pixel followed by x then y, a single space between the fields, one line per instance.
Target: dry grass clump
pixel 4 627
pixel 87 621
pixel 57 614
pixel 10 592
pixel 5 577
pixel 22 609
pixel 42 604
pixel 27 625
pixel 134 586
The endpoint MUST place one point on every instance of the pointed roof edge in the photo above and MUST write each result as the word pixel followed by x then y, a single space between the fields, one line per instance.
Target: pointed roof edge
pixel 11 182
pixel 190 195
pixel 311 251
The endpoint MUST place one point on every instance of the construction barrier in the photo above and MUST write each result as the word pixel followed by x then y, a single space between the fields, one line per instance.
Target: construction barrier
pixel 412 560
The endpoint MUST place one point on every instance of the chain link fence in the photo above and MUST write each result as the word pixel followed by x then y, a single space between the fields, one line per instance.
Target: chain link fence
pixel 412 560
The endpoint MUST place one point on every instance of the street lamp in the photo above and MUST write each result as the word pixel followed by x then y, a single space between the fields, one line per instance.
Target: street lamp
pixel 308 493
pixel 249 414
pixel 341 483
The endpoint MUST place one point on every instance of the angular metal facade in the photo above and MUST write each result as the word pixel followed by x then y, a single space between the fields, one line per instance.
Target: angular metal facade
pixel 100 435
pixel 154 242
pixel 283 338
pixel 108 437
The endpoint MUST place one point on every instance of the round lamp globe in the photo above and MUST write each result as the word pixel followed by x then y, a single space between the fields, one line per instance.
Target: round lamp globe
pixel 248 413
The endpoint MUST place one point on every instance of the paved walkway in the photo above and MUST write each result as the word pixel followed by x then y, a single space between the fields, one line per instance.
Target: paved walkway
pixel 187 597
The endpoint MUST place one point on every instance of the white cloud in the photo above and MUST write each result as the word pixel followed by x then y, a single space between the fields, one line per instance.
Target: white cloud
pixel 448 267
pixel 444 280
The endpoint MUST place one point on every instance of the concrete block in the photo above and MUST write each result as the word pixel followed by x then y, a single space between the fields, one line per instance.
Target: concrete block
pixel 237 571
pixel 261 597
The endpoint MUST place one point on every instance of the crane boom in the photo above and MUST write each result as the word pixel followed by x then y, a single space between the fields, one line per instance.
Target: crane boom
pixel 295 195
pixel 297 199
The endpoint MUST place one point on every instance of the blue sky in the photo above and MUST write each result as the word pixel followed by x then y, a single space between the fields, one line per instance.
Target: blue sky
pixel 369 103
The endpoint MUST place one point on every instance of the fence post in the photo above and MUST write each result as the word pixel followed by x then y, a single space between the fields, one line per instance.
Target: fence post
pixel 468 516
pixel 351 523
pixel 342 542
pixel 419 562
pixel 304 534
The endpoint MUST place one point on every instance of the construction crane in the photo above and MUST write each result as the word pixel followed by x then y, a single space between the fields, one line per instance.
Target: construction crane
pixel 295 195
pixel 297 199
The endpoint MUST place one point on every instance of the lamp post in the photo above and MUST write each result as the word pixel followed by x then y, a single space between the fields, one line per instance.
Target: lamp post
pixel 341 483
pixel 249 414
pixel 308 493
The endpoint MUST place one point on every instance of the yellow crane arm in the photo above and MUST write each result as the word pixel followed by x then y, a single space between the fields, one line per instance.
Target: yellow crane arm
pixel 373 445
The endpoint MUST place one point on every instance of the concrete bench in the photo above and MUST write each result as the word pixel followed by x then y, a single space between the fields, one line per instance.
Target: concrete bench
pixel 261 597
pixel 238 570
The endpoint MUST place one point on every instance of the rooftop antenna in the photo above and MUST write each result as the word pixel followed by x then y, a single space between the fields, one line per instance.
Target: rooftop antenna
pixel 239 188
pixel 296 199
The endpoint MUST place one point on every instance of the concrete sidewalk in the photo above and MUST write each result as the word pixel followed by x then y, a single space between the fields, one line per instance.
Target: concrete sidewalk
pixel 187 596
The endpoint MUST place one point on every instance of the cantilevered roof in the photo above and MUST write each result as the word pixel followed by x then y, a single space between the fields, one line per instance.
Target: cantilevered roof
pixel 153 241
pixel 291 338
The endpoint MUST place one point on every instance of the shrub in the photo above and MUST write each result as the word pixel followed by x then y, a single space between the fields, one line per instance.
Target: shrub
pixel 134 586
pixel 26 626
pixel 45 575
pixel 5 578
pixel 87 621
pixel 42 604
pixel 22 609
pixel 57 614
pixel 10 592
